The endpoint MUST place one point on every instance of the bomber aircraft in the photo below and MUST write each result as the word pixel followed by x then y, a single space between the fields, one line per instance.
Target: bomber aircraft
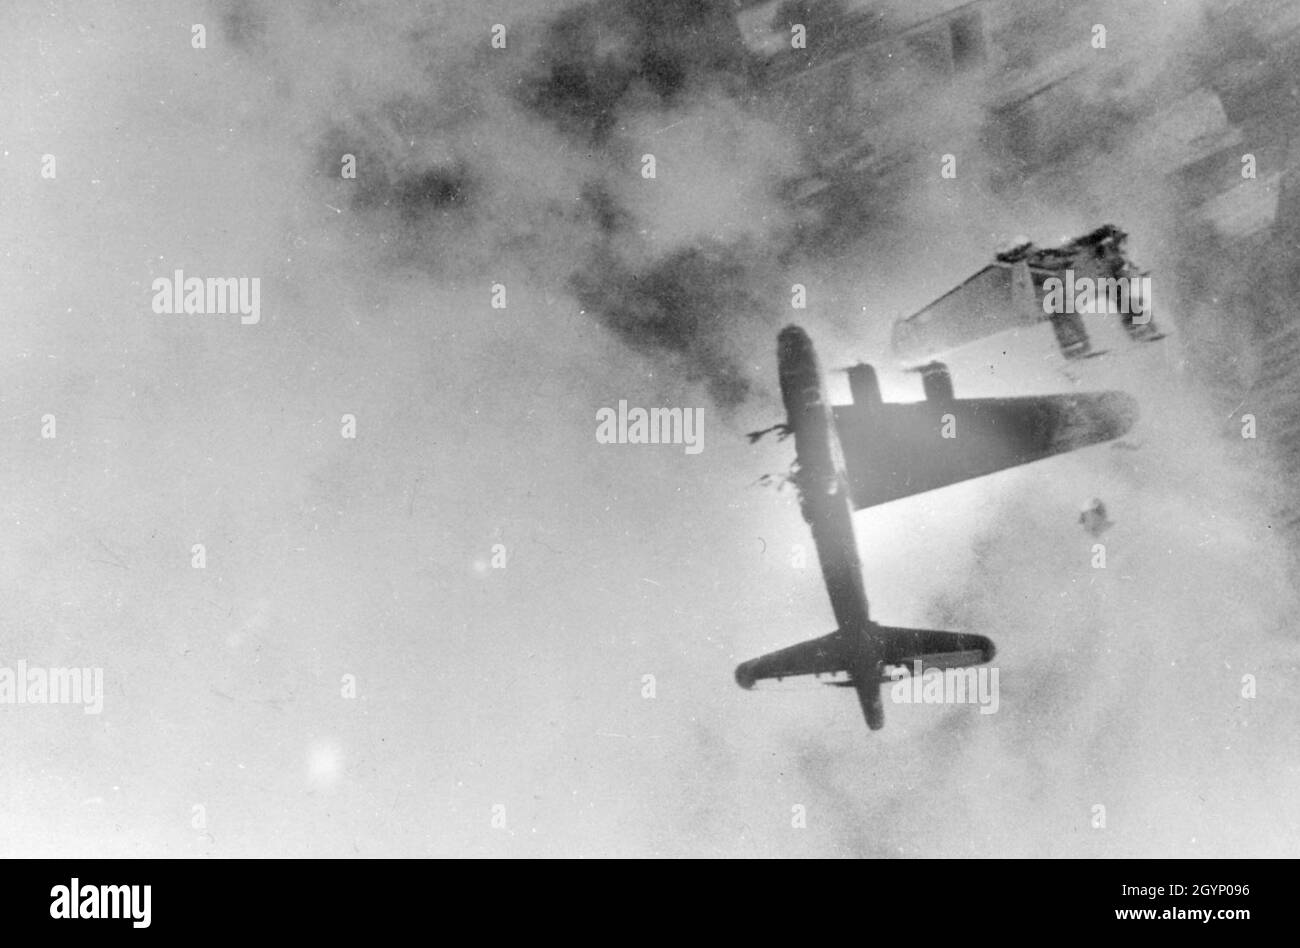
pixel 849 457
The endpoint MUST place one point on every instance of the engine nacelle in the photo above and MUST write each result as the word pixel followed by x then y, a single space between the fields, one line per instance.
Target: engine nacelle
pixel 937 382
pixel 864 386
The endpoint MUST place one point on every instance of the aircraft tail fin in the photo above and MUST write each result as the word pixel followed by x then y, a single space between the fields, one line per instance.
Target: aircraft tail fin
pixel 873 708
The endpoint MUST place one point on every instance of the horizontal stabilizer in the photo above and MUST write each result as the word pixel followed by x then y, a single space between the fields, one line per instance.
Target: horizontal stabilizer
pixel 940 660
pixel 835 653
pixel 822 656
pixel 866 658
pixel 934 648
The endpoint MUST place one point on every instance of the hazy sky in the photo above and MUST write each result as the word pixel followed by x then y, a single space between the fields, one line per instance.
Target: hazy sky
pixel 522 688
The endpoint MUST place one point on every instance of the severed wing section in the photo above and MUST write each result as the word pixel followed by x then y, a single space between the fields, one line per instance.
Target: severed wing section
pixel 985 304
pixel 1012 292
pixel 897 450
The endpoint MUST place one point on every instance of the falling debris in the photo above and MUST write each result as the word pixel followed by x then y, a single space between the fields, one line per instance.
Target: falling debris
pixel 781 430
pixel 1093 517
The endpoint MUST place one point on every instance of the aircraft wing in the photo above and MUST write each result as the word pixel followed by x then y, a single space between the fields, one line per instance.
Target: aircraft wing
pixel 822 656
pixel 894 450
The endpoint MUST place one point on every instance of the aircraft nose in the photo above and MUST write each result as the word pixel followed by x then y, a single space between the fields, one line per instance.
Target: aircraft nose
pixel 744 675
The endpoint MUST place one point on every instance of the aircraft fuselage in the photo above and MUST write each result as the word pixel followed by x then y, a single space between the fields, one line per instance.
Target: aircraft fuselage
pixel 828 508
